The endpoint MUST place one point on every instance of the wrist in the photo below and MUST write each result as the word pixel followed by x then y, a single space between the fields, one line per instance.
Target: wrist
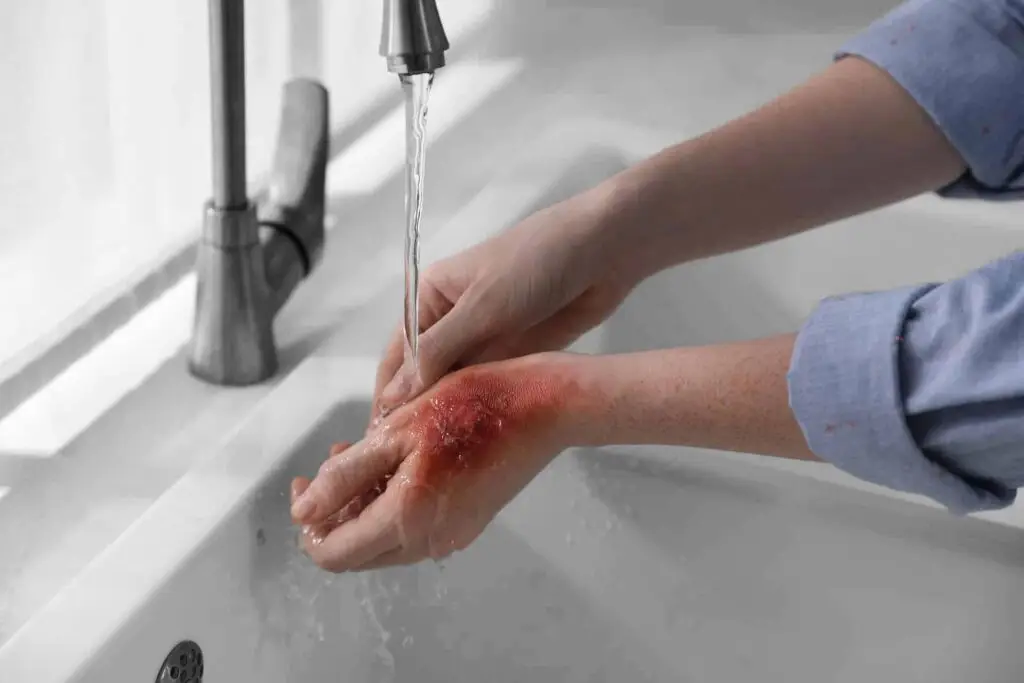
pixel 647 216
pixel 586 410
pixel 613 231
pixel 555 396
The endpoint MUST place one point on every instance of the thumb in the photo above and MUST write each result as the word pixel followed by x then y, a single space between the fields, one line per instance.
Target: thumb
pixel 447 342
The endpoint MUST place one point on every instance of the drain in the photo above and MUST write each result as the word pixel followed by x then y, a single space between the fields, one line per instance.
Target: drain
pixel 184 664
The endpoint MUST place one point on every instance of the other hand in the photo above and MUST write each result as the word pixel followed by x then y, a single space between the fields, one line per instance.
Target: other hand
pixel 537 287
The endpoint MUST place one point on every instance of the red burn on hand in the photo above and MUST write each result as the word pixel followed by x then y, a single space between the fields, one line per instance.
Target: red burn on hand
pixel 470 413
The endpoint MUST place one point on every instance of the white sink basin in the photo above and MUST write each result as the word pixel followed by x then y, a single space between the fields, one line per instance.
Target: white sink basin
pixel 614 565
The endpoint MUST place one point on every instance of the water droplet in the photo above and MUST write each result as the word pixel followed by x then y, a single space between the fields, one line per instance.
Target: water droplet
pixel 568 538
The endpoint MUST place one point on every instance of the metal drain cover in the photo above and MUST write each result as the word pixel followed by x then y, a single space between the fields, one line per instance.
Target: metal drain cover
pixel 184 664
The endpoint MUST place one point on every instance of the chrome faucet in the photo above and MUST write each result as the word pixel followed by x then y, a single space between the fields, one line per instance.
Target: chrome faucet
pixel 252 255
pixel 412 39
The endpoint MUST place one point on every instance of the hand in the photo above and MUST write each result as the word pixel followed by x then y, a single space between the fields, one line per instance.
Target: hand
pixel 537 287
pixel 428 478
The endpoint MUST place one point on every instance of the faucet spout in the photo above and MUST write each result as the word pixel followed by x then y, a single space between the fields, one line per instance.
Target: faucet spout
pixel 412 38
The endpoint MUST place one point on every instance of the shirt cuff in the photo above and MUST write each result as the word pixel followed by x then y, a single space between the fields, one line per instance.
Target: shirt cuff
pixel 844 389
pixel 961 62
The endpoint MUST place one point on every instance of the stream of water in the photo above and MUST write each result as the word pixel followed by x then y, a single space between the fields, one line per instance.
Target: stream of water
pixel 417 95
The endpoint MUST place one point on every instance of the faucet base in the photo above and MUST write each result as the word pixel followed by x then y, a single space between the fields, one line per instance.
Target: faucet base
pixel 233 339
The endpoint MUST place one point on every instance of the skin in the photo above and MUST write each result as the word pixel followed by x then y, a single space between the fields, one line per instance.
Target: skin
pixel 847 141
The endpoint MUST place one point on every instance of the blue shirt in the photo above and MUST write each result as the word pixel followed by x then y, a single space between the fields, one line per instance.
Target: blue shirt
pixel 921 389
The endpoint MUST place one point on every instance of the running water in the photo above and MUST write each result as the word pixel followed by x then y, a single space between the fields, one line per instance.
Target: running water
pixel 417 94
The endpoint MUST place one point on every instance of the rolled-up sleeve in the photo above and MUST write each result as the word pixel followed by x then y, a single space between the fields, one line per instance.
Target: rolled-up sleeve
pixel 963 62
pixel 921 389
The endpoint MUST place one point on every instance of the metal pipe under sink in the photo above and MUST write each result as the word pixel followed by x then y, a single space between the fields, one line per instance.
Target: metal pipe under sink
pixel 252 256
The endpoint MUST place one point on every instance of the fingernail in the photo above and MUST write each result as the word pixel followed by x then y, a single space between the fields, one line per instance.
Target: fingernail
pixel 303 508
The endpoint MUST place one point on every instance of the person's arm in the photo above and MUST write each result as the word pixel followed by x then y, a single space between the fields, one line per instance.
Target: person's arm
pixel 922 388
pixel 919 389
pixel 730 397
pixel 926 99
pixel 847 141
pixel 962 61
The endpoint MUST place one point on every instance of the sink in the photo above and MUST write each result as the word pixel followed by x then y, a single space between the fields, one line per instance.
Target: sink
pixel 624 564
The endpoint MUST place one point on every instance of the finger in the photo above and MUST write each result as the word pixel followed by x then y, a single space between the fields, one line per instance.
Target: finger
pixel 468 325
pixel 333 456
pixel 313 534
pixel 299 486
pixel 359 541
pixel 345 476
pixel 339 448
pixel 390 362
pixel 392 558
pixel 433 305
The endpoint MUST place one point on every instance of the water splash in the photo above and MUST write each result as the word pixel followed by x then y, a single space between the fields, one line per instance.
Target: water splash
pixel 373 592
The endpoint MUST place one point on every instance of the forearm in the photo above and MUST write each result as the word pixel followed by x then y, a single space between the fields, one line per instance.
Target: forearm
pixel 846 141
pixel 728 397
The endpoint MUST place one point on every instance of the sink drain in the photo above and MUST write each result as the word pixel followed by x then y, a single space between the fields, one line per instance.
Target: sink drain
pixel 184 664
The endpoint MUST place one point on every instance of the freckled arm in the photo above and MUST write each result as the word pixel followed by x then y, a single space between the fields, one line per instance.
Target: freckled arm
pixel 919 388
pixel 729 397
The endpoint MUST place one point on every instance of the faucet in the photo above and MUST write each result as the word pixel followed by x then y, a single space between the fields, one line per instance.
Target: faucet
pixel 252 255
pixel 413 40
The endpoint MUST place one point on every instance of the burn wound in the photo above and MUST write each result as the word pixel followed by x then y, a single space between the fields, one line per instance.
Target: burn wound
pixel 459 431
